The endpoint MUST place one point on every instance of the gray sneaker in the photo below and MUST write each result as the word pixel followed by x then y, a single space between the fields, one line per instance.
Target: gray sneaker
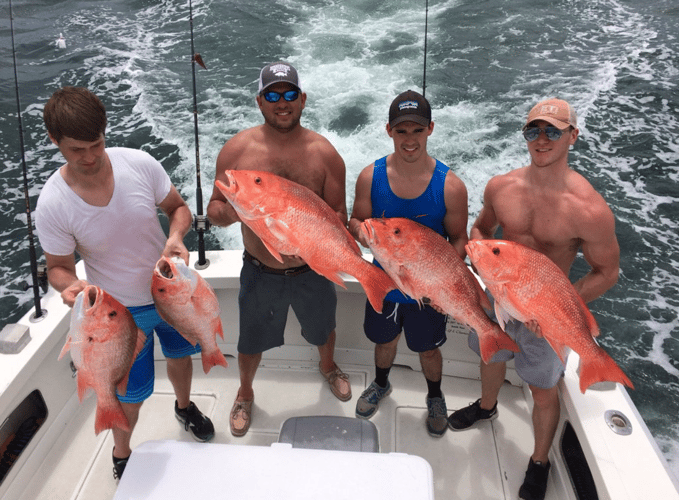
pixel 437 423
pixel 367 404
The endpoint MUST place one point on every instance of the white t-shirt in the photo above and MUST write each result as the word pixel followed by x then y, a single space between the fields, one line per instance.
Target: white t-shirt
pixel 121 242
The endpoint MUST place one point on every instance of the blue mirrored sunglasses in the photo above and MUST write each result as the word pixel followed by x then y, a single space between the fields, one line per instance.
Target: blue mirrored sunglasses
pixel 552 133
pixel 290 95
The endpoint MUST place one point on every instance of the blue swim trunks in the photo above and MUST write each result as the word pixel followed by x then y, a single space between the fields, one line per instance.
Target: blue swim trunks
pixel 425 328
pixel 142 374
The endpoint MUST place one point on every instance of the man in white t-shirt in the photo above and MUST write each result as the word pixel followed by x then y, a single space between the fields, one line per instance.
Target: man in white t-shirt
pixel 103 205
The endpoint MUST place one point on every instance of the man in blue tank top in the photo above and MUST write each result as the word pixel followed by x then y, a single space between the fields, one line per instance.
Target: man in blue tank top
pixel 409 183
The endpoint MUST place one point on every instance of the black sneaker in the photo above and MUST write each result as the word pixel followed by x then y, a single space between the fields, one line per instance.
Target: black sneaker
pixel 200 426
pixel 465 418
pixel 535 484
pixel 119 466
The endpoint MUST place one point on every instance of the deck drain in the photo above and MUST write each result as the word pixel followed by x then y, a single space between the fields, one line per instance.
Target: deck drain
pixel 618 422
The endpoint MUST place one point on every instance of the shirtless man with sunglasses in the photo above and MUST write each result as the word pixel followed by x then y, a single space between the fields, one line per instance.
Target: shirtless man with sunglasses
pixel 555 210
pixel 283 146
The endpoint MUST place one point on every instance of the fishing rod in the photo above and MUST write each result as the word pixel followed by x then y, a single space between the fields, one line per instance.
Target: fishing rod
pixel 426 25
pixel 200 222
pixel 38 281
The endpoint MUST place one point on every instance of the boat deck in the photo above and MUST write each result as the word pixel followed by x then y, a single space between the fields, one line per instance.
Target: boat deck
pixel 482 463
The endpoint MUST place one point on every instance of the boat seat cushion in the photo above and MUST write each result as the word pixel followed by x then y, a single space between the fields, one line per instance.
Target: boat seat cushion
pixel 330 433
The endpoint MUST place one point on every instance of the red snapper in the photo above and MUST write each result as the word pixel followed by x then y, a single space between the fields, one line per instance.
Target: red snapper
pixel 528 286
pixel 291 219
pixel 424 264
pixel 104 342
pixel 187 302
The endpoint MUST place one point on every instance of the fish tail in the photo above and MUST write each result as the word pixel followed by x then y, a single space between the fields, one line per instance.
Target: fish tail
pixel 600 369
pixel 377 284
pixel 109 416
pixel 494 340
pixel 213 358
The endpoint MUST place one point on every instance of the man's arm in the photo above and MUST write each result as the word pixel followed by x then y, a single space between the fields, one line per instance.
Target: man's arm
pixel 63 278
pixel 219 210
pixel 486 222
pixel 455 220
pixel 601 251
pixel 180 222
pixel 334 188
pixel 362 204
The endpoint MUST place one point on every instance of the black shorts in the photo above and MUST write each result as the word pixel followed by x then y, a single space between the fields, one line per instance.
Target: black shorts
pixel 265 298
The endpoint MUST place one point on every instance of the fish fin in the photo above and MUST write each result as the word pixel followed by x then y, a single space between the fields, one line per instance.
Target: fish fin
pixel 273 251
pixel 559 349
pixel 122 385
pixel 83 383
pixel 213 358
pixel 139 345
pixel 377 284
pixel 589 318
pixel 110 416
pixel 502 316
pixel 493 340
pixel 601 368
pixel 67 346
pixel 217 327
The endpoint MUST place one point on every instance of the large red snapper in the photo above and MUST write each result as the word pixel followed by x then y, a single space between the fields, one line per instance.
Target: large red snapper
pixel 528 286
pixel 291 219
pixel 424 264
pixel 187 302
pixel 104 341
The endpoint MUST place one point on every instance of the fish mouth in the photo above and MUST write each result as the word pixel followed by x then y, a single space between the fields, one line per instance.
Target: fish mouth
pixel 91 298
pixel 229 186
pixel 165 269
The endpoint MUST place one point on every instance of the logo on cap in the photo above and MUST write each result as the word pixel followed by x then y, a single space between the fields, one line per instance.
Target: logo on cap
pixel 280 70
pixel 407 105
pixel 549 110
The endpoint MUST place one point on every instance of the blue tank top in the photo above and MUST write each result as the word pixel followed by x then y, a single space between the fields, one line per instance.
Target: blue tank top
pixel 428 209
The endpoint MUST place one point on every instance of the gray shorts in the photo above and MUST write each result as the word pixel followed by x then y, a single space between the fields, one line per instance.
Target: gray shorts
pixel 265 298
pixel 537 364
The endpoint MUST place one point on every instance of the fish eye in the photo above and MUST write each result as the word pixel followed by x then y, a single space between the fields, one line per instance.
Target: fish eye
pixel 397 231
pixel 112 314
pixel 496 250
pixel 258 180
pixel 90 339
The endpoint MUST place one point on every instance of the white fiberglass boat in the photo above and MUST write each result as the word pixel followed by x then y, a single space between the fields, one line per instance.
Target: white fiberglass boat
pixel 49 450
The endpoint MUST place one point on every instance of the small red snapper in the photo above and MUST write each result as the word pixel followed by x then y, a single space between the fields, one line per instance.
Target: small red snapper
pixel 528 286
pixel 291 219
pixel 187 302
pixel 424 264
pixel 104 341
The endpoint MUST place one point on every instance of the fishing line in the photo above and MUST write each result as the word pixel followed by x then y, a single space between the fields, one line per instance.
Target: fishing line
pixel 426 25
pixel 38 281
pixel 200 221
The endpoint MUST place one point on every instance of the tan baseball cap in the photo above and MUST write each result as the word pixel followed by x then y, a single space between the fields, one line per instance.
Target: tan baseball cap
pixel 554 111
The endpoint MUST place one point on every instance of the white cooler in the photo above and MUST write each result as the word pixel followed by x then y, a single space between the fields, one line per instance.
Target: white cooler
pixel 164 470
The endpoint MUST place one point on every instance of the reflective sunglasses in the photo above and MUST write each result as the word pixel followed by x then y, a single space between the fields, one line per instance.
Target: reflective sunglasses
pixel 290 95
pixel 552 133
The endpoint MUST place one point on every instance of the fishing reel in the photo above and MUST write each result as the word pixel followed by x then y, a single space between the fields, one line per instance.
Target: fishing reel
pixel 201 224
pixel 42 280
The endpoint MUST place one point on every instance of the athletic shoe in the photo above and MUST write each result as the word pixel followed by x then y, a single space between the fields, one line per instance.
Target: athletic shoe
pixel 436 421
pixel 194 421
pixel 465 418
pixel 119 466
pixel 367 404
pixel 535 484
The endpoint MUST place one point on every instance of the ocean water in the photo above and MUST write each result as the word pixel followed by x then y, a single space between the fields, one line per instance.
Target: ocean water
pixel 488 62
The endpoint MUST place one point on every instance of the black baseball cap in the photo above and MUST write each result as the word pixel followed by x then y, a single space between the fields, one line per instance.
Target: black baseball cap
pixel 410 107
